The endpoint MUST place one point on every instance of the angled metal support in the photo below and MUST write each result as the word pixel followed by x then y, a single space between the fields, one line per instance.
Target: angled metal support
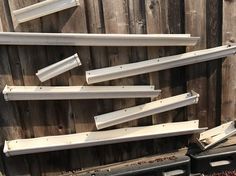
pixel 133 113
pixel 215 135
pixel 77 92
pixel 82 39
pixel 58 68
pixel 121 71
pixel 86 139
pixel 42 9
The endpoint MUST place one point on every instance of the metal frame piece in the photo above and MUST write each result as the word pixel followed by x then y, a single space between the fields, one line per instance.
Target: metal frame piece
pixel 82 39
pixel 215 135
pixel 86 139
pixel 77 92
pixel 133 113
pixel 42 9
pixel 121 71
pixel 58 68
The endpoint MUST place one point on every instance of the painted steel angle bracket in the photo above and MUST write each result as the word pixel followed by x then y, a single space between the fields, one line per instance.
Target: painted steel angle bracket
pixel 58 68
pixel 215 135
pixel 77 92
pixel 42 9
pixel 136 112
pixel 132 69
pixel 83 39
pixel 87 139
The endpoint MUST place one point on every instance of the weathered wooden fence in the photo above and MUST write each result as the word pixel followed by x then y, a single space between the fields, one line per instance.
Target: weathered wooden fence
pixel 215 80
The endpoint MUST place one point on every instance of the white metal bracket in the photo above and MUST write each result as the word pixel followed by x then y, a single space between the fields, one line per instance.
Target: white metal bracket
pixel 121 71
pixel 42 9
pixel 133 113
pixel 58 68
pixel 83 39
pixel 215 135
pixel 87 139
pixel 77 92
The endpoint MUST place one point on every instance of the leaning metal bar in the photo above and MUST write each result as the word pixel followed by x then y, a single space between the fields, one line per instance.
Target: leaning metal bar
pixel 86 139
pixel 121 71
pixel 42 9
pixel 136 112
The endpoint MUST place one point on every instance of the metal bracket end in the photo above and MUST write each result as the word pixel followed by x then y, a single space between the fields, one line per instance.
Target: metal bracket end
pixel 193 93
pixel 87 73
pixel 5 149
pixel 4 92
pixel 232 45
pixel 77 59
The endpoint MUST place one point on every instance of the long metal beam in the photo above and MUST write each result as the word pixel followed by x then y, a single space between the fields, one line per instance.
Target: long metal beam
pixel 121 71
pixel 58 68
pixel 77 92
pixel 215 135
pixel 86 139
pixel 133 113
pixel 42 9
pixel 81 39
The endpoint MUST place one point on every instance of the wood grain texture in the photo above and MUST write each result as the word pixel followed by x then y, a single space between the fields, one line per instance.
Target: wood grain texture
pixel 195 24
pixel 137 25
pixel 228 107
pixel 59 120
pixel 214 30
pixel 82 111
pixel 116 20
pixel 153 23
pixel 10 121
pixel 165 17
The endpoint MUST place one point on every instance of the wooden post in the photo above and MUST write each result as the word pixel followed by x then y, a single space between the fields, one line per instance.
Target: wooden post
pixel 195 22
pixel 229 64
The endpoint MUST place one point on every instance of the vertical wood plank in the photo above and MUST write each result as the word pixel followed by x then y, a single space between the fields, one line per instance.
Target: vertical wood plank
pixel 95 23
pixel 59 111
pixel 214 31
pixel 229 64
pixel 176 25
pixel 165 17
pixel 195 21
pixel 159 16
pixel 116 19
pixel 137 25
pixel 10 123
pixel 39 113
pixel 83 111
pixel 153 22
